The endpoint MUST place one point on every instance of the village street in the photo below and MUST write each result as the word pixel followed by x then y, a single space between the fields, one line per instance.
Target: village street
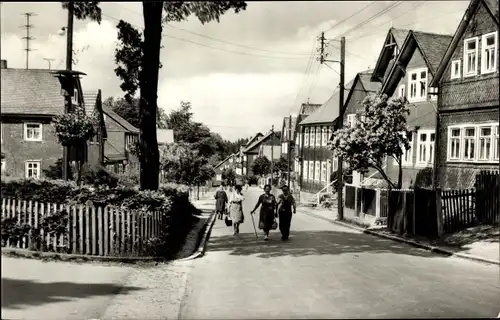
pixel 328 271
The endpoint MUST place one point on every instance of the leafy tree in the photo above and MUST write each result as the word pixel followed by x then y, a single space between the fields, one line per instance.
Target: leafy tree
pixel 145 77
pixel 229 176
pixel 261 166
pixel 381 134
pixel 181 164
pixel 129 110
pixel 83 10
pixel 280 165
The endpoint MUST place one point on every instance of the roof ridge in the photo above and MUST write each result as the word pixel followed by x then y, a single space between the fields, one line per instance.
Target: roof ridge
pixel 432 33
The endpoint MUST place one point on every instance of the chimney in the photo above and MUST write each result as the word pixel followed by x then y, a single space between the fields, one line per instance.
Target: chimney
pixel 4 64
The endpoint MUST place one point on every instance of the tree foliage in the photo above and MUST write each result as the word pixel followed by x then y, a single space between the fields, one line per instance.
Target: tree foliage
pixel 181 164
pixel 261 166
pixel 280 165
pixel 383 133
pixel 229 176
pixel 83 10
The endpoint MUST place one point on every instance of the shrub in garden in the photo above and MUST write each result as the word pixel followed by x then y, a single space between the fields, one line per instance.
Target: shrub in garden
pixel 47 191
pixel 97 176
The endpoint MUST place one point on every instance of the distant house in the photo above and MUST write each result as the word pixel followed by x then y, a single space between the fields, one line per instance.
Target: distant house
pixel 30 98
pixel 226 164
pixel 120 141
pixel 315 132
pixel 164 136
pixel 242 158
pixel 267 145
pixel 410 77
pixel 467 81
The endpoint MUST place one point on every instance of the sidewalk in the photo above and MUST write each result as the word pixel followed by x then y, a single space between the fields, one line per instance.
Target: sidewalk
pixel 479 243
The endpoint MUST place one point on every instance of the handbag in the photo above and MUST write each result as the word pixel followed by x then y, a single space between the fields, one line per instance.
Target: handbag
pixel 228 221
pixel 274 226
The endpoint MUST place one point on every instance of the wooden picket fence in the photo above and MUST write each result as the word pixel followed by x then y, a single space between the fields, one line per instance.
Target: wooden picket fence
pixel 103 231
pixel 458 208
pixel 487 197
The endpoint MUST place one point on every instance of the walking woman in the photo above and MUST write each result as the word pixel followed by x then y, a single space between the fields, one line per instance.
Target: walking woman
pixel 267 215
pixel 220 202
pixel 285 204
pixel 236 208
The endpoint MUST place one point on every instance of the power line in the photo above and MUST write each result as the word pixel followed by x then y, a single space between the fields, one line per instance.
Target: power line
pixel 378 14
pixel 306 72
pixel 235 44
pixel 355 13
pixel 28 38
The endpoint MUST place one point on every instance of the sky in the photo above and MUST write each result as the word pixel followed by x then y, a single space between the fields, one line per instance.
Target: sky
pixel 241 75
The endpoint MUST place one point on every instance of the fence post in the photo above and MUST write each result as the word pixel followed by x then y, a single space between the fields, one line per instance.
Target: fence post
pixel 355 201
pixel 439 213
pixel 378 195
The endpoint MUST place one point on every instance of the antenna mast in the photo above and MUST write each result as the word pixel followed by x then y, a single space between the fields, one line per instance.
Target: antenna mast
pixel 28 38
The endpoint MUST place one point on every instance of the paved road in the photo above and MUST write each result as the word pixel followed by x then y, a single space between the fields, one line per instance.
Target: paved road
pixel 327 271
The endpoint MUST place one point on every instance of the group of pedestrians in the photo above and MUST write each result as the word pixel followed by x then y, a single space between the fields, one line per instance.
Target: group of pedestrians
pixel 270 208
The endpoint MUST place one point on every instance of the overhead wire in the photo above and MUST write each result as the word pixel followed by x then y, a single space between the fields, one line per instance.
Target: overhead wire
pixel 349 17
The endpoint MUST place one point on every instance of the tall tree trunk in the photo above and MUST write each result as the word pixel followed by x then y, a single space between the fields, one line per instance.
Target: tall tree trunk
pixel 400 173
pixel 148 83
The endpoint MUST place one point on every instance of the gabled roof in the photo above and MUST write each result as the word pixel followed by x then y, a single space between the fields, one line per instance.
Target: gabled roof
pixel 431 45
pixel 30 92
pixel 491 7
pixel 89 100
pixel 122 122
pixel 225 160
pixel 256 143
pixel 330 110
pixel 398 35
pixel 364 78
pixel 253 139
pixel 309 108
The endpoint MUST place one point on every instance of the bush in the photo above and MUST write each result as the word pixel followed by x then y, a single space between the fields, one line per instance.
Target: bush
pixel 48 191
pixel 98 177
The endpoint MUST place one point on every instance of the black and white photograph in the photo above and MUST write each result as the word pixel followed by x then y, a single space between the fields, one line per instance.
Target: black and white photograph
pixel 250 160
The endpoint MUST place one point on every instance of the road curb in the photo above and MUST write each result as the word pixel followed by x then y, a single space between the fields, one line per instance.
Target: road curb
pixel 414 243
pixel 203 243
pixel 25 253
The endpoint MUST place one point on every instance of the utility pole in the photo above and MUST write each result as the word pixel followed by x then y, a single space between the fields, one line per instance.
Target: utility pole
pixel 340 119
pixel 289 148
pixel 69 61
pixel 272 155
pixel 28 38
pixel 49 60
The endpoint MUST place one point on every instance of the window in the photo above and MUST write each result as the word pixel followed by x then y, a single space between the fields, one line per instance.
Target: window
pixel 312 137
pixel 218 177
pixel 485 135
pixel 455 69
pixel 33 131
pixel 425 147
pixel 74 99
pixel 470 56
pixel 306 137
pixel 32 169
pixel 317 171
pixel 351 118
pixel 335 164
pixel 417 84
pixel 297 141
pixel 489 52
pixel 324 141
pixel 311 170
pixel 328 169
pixel 495 144
pixel 401 91
pixel 3 166
pixel 323 171
pixel 318 136
pixel 329 134
pixel 408 155
pixel 454 144
pixel 469 143
pixel 306 170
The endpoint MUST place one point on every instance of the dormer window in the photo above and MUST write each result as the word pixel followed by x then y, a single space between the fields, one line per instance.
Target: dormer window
pixel 470 56
pixel 488 55
pixel 417 84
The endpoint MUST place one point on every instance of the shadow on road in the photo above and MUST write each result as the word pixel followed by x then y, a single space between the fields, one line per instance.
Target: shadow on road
pixel 306 243
pixel 16 293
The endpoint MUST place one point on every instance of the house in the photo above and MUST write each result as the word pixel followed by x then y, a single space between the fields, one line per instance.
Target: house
pixel 305 110
pixel 267 145
pixel 30 98
pixel 468 105
pixel 409 77
pixel 242 158
pixel 315 131
pixel 120 141
pixel 228 163
pixel 360 88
